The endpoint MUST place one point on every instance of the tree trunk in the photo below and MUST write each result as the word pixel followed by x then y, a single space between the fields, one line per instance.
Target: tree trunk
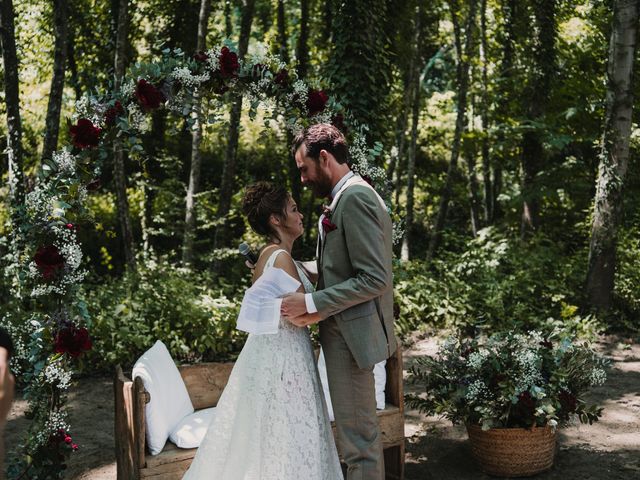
pixel 533 153
pixel 196 140
pixel 229 168
pixel 415 88
pixel 60 16
pixel 302 47
pixel 474 198
pixel 614 155
pixel 411 163
pixel 12 99
pixel 283 49
pixel 118 152
pixel 228 23
pixel 484 118
pixel 73 66
pixel 504 95
pixel 283 41
pixel 470 159
pixel 401 126
pixel 462 75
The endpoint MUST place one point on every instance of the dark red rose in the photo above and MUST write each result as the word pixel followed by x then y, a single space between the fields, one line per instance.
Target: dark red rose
pixel 316 101
pixel 546 344
pixel 74 446
pixel 328 225
pixel 113 113
pixel 73 340
pixel 94 185
pixel 49 261
pixel 367 179
pixel 69 226
pixel 229 65
pixel 85 134
pixel 568 401
pixel 148 95
pixel 200 56
pixel 338 122
pixel 282 78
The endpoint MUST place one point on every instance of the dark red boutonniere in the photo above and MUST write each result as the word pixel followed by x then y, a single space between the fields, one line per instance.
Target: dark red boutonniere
pixel 327 224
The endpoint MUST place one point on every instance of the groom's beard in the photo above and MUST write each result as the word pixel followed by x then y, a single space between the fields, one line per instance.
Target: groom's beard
pixel 321 186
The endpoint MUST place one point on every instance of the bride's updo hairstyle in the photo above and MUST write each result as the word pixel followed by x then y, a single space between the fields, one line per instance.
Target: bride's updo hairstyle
pixel 261 200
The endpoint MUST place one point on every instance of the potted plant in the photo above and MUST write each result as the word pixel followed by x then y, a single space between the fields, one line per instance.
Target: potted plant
pixel 511 390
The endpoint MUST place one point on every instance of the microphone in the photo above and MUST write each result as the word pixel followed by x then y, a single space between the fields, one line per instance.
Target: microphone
pixel 247 253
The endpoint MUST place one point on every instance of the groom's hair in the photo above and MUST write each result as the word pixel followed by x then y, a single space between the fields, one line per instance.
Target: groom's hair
pixel 322 136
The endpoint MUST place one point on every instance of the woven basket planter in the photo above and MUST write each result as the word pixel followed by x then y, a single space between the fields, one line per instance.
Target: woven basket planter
pixel 513 452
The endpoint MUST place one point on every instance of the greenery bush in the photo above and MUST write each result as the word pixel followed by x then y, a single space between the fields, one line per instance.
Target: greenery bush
pixel 498 283
pixel 162 302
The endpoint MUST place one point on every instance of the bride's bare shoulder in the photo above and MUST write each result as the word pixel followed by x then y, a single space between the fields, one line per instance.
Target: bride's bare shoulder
pixel 263 257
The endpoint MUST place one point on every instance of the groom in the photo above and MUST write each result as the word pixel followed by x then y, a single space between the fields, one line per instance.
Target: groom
pixel 354 294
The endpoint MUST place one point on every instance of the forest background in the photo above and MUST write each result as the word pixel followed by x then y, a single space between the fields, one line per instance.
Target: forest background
pixel 490 118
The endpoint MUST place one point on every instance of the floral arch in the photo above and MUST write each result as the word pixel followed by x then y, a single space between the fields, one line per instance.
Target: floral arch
pixel 53 331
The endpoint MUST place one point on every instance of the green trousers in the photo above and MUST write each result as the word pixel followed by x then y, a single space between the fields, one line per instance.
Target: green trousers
pixel 354 406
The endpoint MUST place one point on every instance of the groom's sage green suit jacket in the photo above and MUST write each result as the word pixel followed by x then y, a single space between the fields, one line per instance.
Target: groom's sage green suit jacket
pixel 355 283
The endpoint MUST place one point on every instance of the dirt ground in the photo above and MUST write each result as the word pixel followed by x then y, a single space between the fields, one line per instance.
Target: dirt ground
pixel 436 450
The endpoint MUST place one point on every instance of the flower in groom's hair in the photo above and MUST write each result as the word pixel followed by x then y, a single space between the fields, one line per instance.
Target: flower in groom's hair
pixel 229 65
pixel 148 95
pixel 328 225
pixel 316 101
pixel 113 113
pixel 85 134
pixel 282 78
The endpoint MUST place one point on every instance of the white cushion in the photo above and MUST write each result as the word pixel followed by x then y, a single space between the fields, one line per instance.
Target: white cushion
pixel 379 378
pixel 170 400
pixel 191 429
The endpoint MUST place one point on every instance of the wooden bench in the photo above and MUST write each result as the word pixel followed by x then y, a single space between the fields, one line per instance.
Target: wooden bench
pixel 205 383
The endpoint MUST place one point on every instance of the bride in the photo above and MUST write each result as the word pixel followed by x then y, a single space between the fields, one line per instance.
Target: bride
pixel 271 421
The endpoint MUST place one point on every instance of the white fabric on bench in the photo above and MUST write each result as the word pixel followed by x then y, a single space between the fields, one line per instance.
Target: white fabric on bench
pixel 191 429
pixel 170 401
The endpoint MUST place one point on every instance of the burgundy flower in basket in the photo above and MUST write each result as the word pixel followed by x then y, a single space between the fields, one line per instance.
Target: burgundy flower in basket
pixel 148 95
pixel 73 340
pixel 85 134
pixel 49 261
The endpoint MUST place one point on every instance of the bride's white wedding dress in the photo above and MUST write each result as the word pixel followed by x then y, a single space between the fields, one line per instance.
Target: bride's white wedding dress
pixel 271 421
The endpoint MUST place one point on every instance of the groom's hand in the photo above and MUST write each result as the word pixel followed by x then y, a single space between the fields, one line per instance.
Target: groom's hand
pixel 306 319
pixel 293 305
